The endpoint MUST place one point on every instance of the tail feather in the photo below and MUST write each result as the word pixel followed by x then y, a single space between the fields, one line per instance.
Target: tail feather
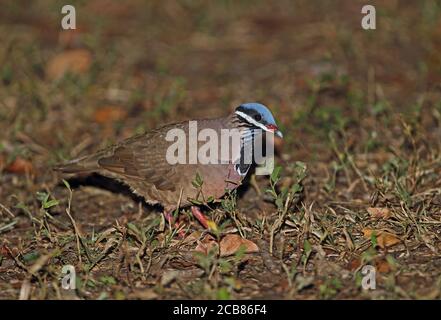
pixel 79 165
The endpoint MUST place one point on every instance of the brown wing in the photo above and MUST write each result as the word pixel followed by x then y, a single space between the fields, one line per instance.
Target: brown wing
pixel 142 158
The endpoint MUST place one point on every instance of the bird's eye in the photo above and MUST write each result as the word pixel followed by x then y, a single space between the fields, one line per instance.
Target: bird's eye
pixel 257 117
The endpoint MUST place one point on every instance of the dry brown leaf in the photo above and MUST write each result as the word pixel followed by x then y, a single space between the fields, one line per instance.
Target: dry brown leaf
pixel 231 243
pixel 379 213
pixel 109 114
pixel 354 264
pixel 383 266
pixel 20 166
pixel 206 244
pixel 192 237
pixel 384 239
pixel 76 61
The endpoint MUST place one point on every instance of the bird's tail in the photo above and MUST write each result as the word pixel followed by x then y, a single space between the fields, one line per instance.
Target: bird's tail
pixel 80 165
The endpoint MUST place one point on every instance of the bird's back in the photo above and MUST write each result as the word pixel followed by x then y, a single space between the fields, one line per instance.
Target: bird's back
pixel 147 163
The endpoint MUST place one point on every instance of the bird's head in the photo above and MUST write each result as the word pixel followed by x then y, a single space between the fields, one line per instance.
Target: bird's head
pixel 257 115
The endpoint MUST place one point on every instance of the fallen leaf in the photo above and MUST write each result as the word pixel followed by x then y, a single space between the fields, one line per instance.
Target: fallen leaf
pixel 384 239
pixel 192 237
pixel 76 61
pixel 109 114
pixel 20 166
pixel 231 243
pixel 354 264
pixel 379 213
pixel 383 266
pixel 206 244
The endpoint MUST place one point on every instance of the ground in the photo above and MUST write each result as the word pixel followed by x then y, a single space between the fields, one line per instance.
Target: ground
pixel 359 165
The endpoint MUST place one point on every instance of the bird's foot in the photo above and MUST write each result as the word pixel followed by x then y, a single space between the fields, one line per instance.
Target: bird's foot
pixel 203 220
pixel 169 218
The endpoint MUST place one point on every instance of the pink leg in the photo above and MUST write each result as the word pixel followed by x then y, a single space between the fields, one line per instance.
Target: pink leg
pixel 169 217
pixel 199 216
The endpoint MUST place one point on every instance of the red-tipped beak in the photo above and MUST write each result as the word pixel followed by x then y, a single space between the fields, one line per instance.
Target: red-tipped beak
pixel 273 128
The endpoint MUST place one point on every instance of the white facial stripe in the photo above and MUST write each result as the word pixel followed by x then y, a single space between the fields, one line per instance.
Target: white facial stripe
pixel 251 120
pixel 237 168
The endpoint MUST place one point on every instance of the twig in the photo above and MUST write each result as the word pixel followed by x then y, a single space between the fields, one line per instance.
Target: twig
pixel 279 222
pixel 7 226
pixel 7 210
pixel 77 233
pixel 17 261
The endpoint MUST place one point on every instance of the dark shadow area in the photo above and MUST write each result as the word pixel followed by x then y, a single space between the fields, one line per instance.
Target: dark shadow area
pixel 98 181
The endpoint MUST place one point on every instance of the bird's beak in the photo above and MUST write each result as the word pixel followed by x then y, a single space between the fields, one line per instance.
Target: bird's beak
pixel 273 128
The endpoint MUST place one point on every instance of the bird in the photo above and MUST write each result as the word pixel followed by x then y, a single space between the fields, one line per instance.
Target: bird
pixel 146 163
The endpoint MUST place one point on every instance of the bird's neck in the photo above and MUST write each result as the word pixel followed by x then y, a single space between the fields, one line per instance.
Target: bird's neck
pixel 248 133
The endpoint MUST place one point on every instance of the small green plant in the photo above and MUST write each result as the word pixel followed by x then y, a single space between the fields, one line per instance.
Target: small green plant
pixel 200 199
pixel 286 197
pixel 281 197
pixel 45 202
pixel 307 250
pixel 229 204
pixel 220 271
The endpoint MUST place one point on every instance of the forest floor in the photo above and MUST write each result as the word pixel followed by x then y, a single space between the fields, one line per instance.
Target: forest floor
pixel 360 111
